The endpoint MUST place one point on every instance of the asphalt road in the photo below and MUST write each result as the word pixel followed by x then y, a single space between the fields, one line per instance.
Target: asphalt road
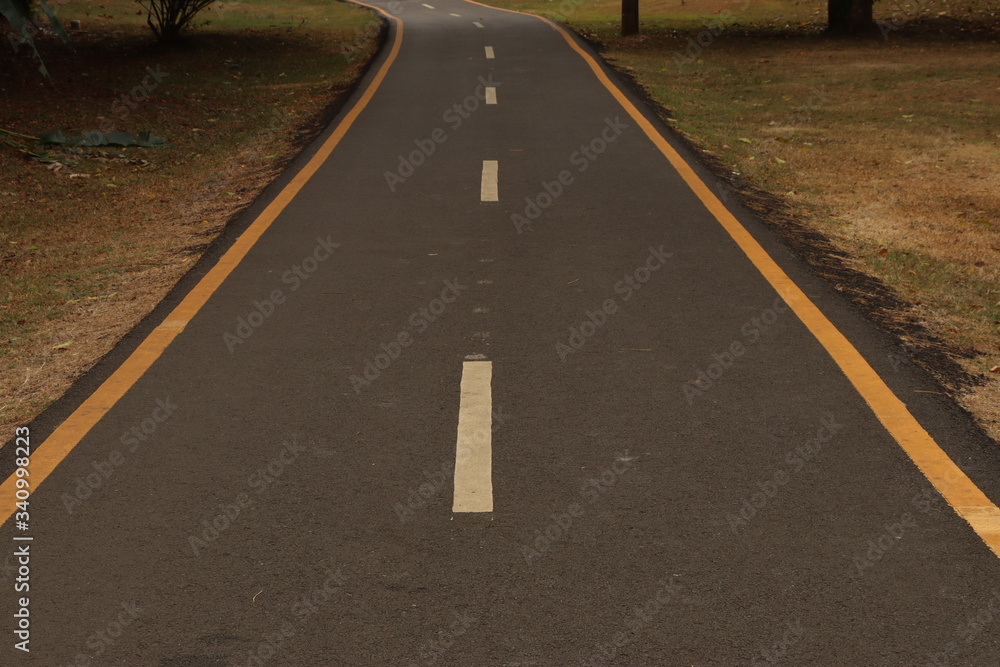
pixel 681 474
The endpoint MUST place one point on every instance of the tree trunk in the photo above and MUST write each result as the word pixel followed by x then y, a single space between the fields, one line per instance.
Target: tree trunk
pixel 630 17
pixel 850 17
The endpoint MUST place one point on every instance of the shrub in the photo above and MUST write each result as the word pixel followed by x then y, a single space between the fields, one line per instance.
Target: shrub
pixel 167 18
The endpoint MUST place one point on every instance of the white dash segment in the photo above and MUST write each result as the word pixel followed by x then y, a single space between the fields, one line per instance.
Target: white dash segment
pixel 489 53
pixel 453 14
pixel 427 6
pixel 474 449
pixel 491 95
pixel 489 189
pixel 477 24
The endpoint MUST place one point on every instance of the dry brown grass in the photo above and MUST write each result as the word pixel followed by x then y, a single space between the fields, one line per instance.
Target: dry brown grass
pixel 891 153
pixel 90 247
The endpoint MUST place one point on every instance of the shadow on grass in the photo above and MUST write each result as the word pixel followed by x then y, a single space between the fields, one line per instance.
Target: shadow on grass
pixel 889 32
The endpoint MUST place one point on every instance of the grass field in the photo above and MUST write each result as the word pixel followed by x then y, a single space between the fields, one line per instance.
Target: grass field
pixel 888 147
pixel 91 239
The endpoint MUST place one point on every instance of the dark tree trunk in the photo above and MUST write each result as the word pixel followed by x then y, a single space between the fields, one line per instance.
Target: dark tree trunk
pixel 630 17
pixel 850 17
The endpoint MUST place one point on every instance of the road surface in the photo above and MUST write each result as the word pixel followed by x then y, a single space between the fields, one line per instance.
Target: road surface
pixel 493 378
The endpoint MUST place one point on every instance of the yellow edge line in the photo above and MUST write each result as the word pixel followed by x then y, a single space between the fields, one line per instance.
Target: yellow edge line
pixel 67 435
pixel 954 485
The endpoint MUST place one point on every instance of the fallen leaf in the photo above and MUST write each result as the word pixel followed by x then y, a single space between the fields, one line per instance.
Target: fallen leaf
pixel 62 346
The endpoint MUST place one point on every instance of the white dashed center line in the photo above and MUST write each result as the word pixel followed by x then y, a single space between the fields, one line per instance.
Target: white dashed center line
pixel 489 189
pixel 474 448
pixel 489 53
pixel 477 24
pixel 491 95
